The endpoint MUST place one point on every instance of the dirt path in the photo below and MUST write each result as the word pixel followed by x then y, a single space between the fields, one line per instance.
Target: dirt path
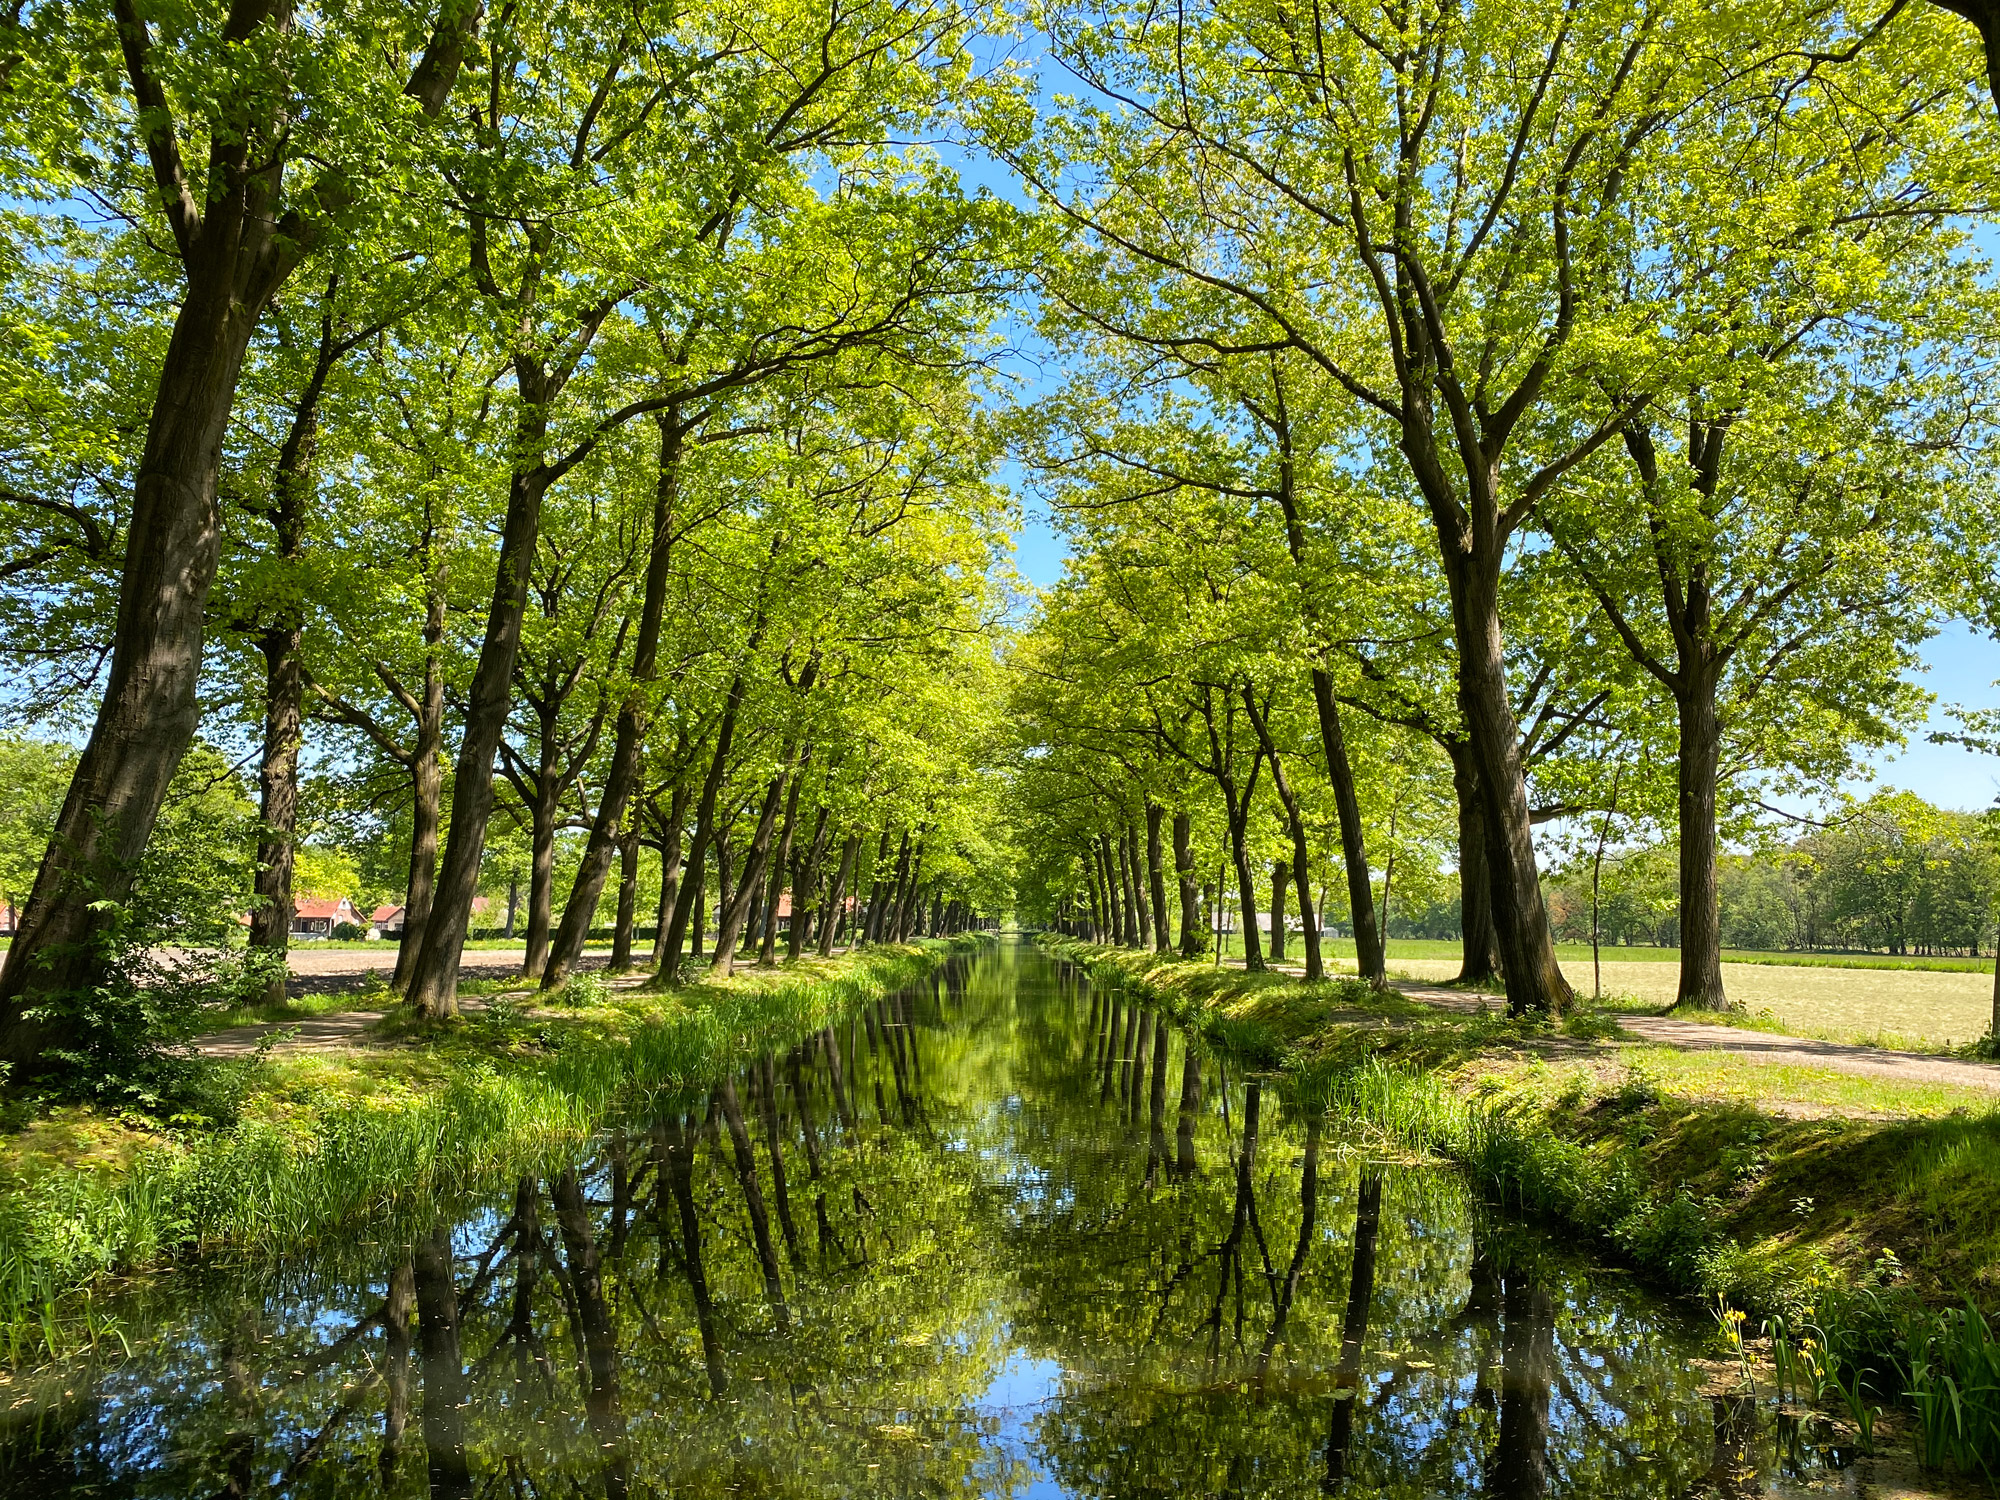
pixel 1783 1051
pixel 337 971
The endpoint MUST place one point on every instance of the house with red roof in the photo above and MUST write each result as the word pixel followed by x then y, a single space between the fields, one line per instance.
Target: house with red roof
pixel 386 922
pixel 318 918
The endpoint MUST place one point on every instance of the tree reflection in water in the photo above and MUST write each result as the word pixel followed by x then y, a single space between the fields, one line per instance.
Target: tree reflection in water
pixel 1014 1278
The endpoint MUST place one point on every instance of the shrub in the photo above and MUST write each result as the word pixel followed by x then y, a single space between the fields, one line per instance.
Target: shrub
pixel 131 1046
pixel 348 932
pixel 584 988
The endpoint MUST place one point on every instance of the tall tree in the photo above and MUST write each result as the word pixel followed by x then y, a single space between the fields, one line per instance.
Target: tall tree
pixel 261 137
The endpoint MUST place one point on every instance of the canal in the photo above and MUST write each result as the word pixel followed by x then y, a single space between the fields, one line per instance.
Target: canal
pixel 1002 1235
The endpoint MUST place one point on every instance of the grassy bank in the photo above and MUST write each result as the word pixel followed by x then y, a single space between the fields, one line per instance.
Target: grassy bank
pixel 1862 1214
pixel 323 1142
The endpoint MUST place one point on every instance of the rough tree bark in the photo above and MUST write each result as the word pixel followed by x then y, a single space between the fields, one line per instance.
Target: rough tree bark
pixel 670 875
pixel 781 862
pixel 1701 908
pixel 729 926
pixel 1479 958
pixel 704 817
pixel 1141 907
pixel 628 901
pixel 836 901
pixel 1281 874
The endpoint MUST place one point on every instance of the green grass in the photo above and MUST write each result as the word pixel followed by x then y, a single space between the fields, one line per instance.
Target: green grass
pixel 325 1142
pixel 1899 1189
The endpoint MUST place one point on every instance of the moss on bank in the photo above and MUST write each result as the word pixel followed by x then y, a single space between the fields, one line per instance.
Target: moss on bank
pixel 326 1141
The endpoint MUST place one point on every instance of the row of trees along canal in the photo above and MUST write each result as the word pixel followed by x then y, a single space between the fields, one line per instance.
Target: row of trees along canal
pixel 584 396
pixel 1560 386
pixel 1576 415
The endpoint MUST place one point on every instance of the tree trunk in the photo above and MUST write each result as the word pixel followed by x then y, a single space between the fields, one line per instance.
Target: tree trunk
pixel 628 901
pixel 729 927
pixel 697 877
pixel 541 869
pixel 836 900
pixel 149 712
pixel 278 795
pixel 781 862
pixel 1191 931
pixel 1993 1027
pixel 1141 901
pixel 1300 867
pixel 237 251
pixel 670 879
pixel 906 904
pixel 805 888
pixel 1156 876
pixel 871 916
pixel 704 817
pixel 1128 930
pixel 892 899
pixel 284 676
pixel 433 991
pixel 1246 883
pixel 1535 980
pixel 1369 951
pixel 1281 873
pixel 1113 918
pixel 1479 961
pixel 1701 909
pixel 630 735
pixel 1246 892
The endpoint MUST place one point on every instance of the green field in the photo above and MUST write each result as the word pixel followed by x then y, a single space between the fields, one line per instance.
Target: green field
pixel 1915 1004
pixel 1573 954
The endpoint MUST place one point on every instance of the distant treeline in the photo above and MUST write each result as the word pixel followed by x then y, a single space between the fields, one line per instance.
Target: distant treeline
pixel 1892 875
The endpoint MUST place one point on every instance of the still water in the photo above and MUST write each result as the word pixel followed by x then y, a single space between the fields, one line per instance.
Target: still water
pixel 999 1236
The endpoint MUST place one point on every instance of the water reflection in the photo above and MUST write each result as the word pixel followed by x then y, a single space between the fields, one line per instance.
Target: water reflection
pixel 953 1246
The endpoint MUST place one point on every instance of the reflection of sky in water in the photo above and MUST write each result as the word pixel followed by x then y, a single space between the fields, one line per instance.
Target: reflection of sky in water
pixel 1066 1348
pixel 1021 1386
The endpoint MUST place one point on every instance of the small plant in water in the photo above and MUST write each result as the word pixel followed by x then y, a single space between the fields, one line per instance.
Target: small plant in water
pixel 1729 1322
